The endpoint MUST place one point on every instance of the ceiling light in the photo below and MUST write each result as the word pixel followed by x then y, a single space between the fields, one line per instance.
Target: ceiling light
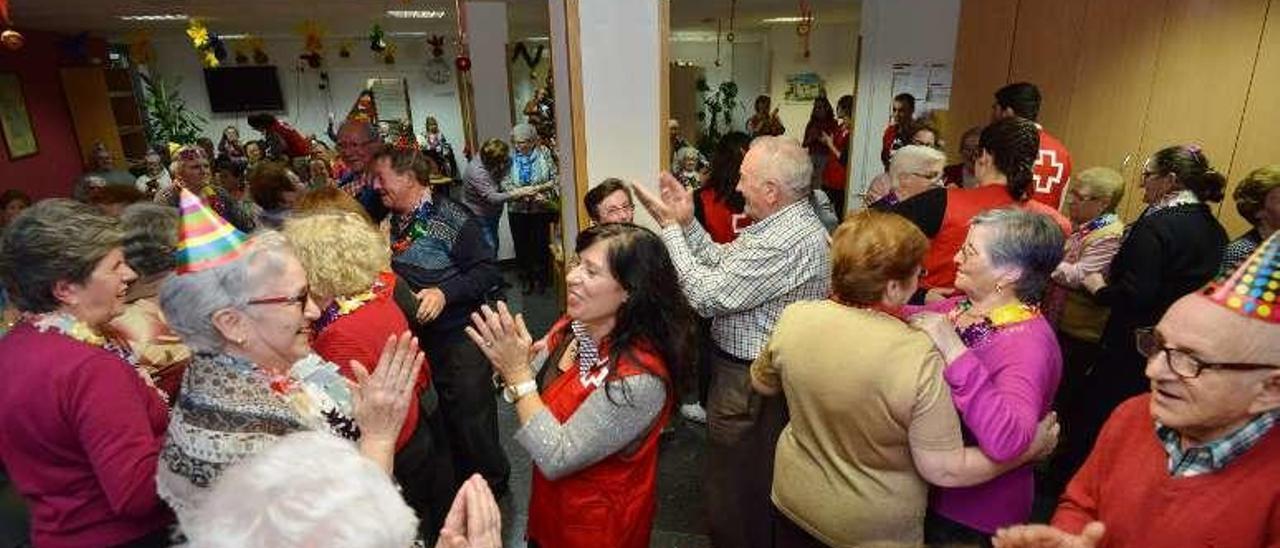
pixel 233 36
pixel 416 14
pixel 782 20
pixel 402 34
pixel 156 17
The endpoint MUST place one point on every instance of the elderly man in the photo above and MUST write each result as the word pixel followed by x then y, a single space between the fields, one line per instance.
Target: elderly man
pixel 102 167
pixel 358 142
pixel 1193 462
pixel 743 287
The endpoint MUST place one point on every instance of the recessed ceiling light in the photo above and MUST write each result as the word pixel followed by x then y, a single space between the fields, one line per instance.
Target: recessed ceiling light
pixel 782 20
pixel 402 34
pixel 157 17
pixel 416 14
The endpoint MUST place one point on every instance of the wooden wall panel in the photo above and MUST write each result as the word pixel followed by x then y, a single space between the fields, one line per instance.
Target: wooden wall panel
pixel 983 45
pixel 1203 70
pixel 1259 140
pixel 1046 52
pixel 1118 48
pixel 90 107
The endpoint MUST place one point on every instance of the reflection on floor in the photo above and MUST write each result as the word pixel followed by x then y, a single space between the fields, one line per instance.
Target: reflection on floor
pixel 681 519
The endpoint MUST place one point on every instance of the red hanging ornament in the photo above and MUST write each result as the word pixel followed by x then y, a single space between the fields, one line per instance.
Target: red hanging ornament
pixel 805 26
pixel 463 63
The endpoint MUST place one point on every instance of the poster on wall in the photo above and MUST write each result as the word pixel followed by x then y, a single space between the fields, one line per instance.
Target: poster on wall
pixel 803 87
pixel 18 135
pixel 929 83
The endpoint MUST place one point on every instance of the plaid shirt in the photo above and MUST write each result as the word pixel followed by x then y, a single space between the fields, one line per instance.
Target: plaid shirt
pixel 1217 454
pixel 744 285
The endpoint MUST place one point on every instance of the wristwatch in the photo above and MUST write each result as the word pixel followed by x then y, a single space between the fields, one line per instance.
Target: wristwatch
pixel 513 392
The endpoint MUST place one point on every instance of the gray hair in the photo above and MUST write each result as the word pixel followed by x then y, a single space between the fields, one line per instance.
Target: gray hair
pixel 190 300
pixel 1029 241
pixel 687 153
pixel 1101 182
pixel 150 237
pixel 54 240
pixel 916 158
pixel 319 490
pixel 523 132
pixel 784 161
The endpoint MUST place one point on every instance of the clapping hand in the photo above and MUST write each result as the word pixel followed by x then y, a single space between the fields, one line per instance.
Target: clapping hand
pixel 505 340
pixel 382 398
pixel 1046 536
pixel 674 205
pixel 474 520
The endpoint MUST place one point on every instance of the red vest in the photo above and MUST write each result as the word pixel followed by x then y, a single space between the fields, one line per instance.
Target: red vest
pixel 834 174
pixel 1051 171
pixel 722 223
pixel 962 205
pixel 611 502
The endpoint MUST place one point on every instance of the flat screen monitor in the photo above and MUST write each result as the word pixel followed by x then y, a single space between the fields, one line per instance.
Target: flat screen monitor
pixel 243 89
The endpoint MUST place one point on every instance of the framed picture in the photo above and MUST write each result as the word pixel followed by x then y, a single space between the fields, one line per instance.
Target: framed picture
pixel 803 87
pixel 16 123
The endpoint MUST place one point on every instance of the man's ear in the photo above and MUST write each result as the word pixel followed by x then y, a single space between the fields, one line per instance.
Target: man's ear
pixel 1269 397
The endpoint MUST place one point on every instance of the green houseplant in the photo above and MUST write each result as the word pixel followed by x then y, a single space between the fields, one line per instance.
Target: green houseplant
pixel 168 119
pixel 717 109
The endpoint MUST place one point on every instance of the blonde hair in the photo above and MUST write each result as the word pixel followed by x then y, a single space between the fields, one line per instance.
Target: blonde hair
pixel 1102 182
pixel 342 254
pixel 329 199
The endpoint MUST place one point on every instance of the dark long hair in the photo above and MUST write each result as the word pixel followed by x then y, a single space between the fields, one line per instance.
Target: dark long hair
pixel 1190 167
pixel 1013 144
pixel 656 312
pixel 726 166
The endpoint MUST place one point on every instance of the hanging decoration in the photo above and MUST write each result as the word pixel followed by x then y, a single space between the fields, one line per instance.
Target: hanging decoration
pixel 312 36
pixel 208 46
pixel 463 64
pixel 522 52
pixel 438 70
pixel 733 9
pixel 11 39
pixel 241 52
pixel 377 39
pixel 140 50
pixel 805 26
pixel 389 54
pixel 344 49
pixel 718 29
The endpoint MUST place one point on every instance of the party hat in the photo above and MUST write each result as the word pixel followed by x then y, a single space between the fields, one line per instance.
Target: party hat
pixel 365 109
pixel 1251 290
pixel 206 239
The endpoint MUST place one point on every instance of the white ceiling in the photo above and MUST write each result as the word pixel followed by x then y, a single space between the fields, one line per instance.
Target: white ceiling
pixel 355 17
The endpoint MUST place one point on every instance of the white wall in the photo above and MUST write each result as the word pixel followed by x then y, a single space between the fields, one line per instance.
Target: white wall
pixel 487 37
pixel 832 56
pixel 892 34
pixel 744 61
pixel 306 106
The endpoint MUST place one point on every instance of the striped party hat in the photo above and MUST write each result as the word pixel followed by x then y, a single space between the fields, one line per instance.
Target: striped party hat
pixel 1251 290
pixel 206 240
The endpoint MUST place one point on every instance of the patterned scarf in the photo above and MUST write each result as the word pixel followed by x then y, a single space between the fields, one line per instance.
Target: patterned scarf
pixel 588 356
pixel 71 327
pixel 524 167
pixel 406 228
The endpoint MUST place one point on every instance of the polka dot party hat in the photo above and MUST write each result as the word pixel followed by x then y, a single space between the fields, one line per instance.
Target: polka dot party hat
pixel 1252 289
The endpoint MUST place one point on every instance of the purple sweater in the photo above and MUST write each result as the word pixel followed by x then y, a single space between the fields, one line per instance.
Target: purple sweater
pixel 1002 388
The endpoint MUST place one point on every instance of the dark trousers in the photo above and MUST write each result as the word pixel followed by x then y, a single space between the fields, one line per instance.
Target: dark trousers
pixel 530 232
pixel 940 531
pixel 1076 408
pixel 786 534
pixel 424 469
pixel 742 432
pixel 464 380
pixel 837 197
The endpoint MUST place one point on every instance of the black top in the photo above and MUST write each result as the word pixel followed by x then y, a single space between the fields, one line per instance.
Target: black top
pixel 926 210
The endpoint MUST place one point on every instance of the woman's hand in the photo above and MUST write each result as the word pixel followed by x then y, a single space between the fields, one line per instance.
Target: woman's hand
pixel 1094 282
pixel 382 398
pixel 943 333
pixel 504 340
pixel 474 520
pixel 1046 439
pixel 1045 536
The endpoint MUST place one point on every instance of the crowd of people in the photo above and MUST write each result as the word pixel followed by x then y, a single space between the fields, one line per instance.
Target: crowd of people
pixel 270 343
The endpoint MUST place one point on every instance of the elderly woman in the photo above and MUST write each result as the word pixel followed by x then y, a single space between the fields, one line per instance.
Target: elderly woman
pixel 532 165
pixel 482 190
pixel 1002 364
pixel 80 430
pixel 348 264
pixel 913 170
pixel 591 416
pixel 191 170
pixel 609 202
pixel 275 190
pixel 686 166
pixel 246 310
pixel 1008 150
pixel 871 420
pixel 1258 201
pixel 150 238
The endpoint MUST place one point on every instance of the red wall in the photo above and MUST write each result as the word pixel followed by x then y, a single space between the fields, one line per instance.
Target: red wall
pixel 51 171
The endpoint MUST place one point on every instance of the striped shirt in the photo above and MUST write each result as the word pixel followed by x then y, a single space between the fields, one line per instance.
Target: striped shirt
pixel 1215 455
pixel 744 285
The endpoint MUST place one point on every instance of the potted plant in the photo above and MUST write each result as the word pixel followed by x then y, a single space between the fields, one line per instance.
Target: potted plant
pixel 168 119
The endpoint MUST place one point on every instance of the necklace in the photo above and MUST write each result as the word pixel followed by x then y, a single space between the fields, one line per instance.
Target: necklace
pixel 988 324
pixel 407 227
pixel 342 306
pixel 71 327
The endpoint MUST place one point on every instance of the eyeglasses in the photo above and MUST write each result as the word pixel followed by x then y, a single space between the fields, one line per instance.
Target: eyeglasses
pixel 620 209
pixel 968 251
pixel 300 299
pixel 346 145
pixel 1183 364
pixel 1078 197
pixel 932 176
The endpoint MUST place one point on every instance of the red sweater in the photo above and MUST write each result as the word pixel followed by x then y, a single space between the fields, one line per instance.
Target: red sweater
pixel 360 336
pixel 1125 484
pixel 80 435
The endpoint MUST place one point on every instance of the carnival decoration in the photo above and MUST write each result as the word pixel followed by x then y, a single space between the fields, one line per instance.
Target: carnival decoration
pixel 377 39
pixel 207 44
pixel 140 50
pixel 312 43
pixel 805 26
pixel 11 39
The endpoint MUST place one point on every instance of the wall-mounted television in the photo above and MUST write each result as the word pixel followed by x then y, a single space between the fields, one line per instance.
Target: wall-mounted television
pixel 243 89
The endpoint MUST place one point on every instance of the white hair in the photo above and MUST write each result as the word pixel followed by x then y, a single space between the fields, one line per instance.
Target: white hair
pixel 523 132
pixel 916 158
pixel 784 161
pixel 687 153
pixel 190 300
pixel 308 489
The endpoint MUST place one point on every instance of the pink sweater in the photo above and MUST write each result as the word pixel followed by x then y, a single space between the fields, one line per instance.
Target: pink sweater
pixel 80 435
pixel 1002 388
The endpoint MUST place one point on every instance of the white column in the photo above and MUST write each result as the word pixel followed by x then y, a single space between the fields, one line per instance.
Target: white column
pixel 892 33
pixel 487 40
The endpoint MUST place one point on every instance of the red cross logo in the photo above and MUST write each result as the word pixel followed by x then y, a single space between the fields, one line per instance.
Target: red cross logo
pixel 1047 173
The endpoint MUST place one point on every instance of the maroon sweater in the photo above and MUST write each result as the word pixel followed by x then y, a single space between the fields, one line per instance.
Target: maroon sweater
pixel 1126 485
pixel 80 435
